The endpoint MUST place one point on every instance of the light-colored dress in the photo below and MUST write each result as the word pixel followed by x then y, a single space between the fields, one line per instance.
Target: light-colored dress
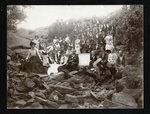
pixel 109 43
pixel 33 52
pixel 77 46
pixel 112 58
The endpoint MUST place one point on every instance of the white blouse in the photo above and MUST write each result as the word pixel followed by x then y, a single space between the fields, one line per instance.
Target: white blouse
pixel 33 52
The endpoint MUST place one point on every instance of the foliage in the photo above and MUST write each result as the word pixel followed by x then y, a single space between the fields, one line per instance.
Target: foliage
pixel 127 27
pixel 15 15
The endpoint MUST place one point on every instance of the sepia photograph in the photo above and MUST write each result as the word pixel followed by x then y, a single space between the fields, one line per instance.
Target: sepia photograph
pixel 75 57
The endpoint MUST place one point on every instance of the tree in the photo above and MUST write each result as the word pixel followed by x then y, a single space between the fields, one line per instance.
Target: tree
pixel 15 15
pixel 128 26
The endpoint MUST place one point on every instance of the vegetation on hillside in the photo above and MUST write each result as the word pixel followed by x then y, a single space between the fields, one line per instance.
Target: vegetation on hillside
pixel 15 15
pixel 127 26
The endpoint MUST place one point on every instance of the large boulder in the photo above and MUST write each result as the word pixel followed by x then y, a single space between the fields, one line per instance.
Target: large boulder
pixel 125 99
pixel 40 94
pixel 71 99
pixel 21 102
pixel 109 104
pixel 135 93
pixel 46 102
pixel 29 83
pixel 36 105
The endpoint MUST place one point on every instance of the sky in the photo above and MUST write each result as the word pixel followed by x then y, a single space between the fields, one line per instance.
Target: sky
pixel 44 15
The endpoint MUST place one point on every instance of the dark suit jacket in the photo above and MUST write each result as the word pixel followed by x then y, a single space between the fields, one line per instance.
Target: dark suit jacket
pixel 103 56
pixel 119 62
pixel 73 61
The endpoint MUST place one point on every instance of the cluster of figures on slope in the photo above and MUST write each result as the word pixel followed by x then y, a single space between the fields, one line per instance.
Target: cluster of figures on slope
pixel 103 55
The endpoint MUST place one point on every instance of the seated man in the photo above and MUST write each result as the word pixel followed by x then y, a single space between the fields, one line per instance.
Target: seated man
pixel 93 58
pixel 112 63
pixel 72 63
pixel 101 61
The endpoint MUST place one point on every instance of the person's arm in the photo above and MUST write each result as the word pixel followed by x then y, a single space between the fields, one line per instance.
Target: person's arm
pixel 38 54
pixel 28 55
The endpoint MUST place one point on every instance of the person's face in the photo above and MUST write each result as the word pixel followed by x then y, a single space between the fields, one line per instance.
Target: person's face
pixel 120 53
pixel 36 37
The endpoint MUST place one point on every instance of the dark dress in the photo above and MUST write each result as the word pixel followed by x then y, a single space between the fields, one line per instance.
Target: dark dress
pixel 36 66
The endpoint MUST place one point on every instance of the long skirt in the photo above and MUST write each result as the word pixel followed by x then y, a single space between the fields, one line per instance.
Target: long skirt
pixel 36 66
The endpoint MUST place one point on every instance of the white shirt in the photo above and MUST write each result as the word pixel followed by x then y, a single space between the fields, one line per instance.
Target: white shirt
pixel 109 40
pixel 112 58
pixel 109 47
pixel 37 43
pixel 33 52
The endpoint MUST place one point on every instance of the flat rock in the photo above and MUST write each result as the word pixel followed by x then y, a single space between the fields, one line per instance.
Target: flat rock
pixel 29 83
pixel 64 106
pixel 63 89
pixel 55 96
pixel 125 99
pixel 21 88
pixel 66 84
pixel 108 103
pixel 31 100
pixel 71 99
pixel 11 63
pixel 73 72
pixel 102 94
pixel 31 94
pixel 31 74
pixel 40 94
pixel 21 102
pixel 46 102
pixel 8 58
pixel 75 79
pixel 20 75
pixel 36 105
pixel 133 92
pixel 18 64
pixel 58 76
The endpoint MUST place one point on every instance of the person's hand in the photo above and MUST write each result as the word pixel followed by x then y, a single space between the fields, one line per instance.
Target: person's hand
pixel 26 60
pixel 41 60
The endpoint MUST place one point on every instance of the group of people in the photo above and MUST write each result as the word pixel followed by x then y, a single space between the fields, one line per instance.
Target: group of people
pixel 64 51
